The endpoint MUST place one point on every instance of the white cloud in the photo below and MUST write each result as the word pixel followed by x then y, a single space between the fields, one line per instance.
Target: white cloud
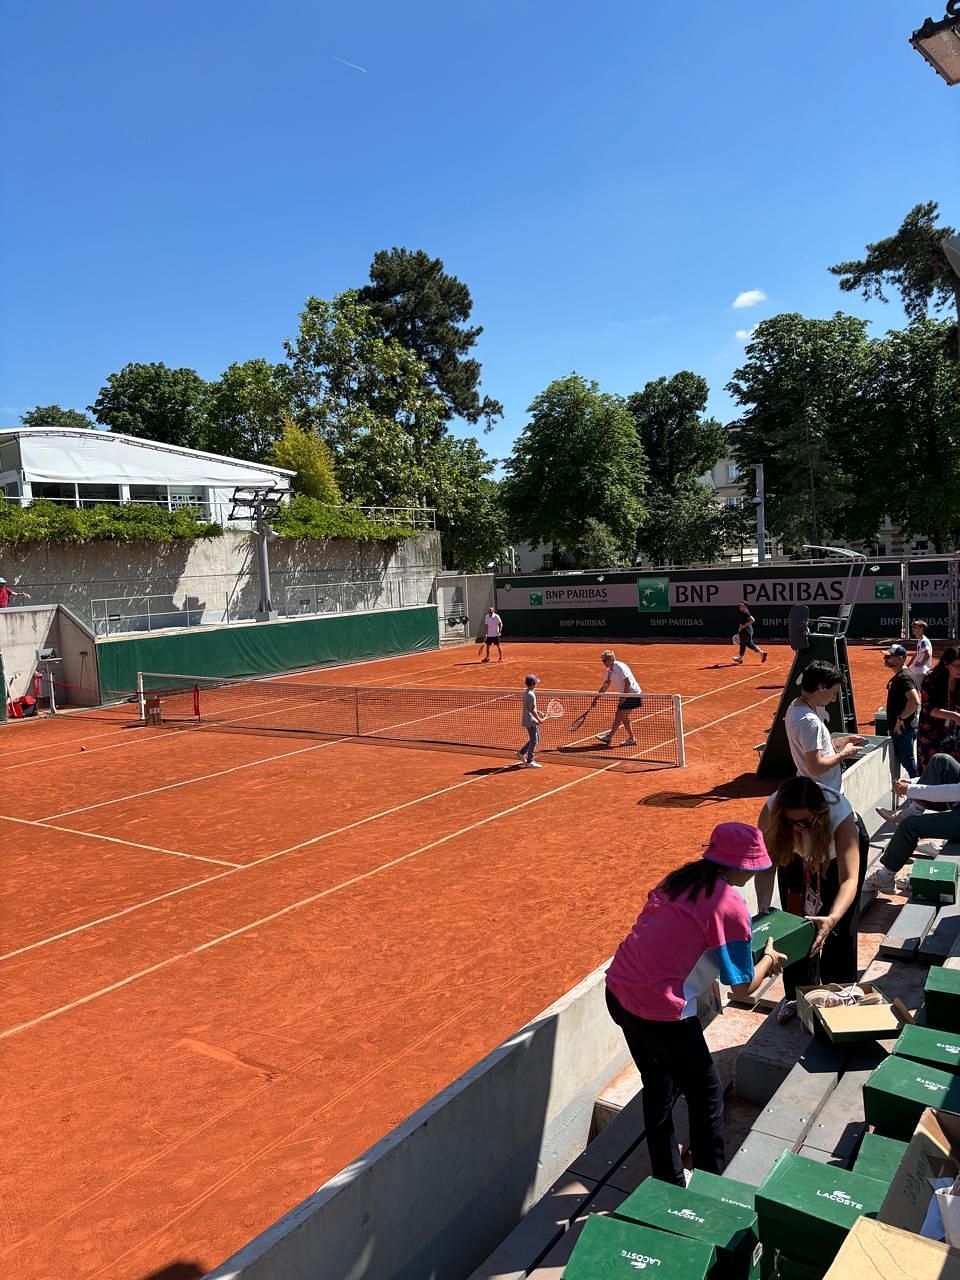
pixel 749 298
pixel 746 334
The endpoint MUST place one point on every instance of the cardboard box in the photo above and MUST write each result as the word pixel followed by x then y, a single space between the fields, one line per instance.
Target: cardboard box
pixel 900 1090
pixel 730 1229
pixel 806 1208
pixel 728 1190
pixel 927 1044
pixel 792 935
pixel 933 1152
pixel 610 1248
pixel 879 1157
pixel 934 882
pixel 846 1024
pixel 941 999
pixel 876 1251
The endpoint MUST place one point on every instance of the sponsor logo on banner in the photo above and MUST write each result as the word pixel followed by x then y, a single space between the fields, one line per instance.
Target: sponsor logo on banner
pixel 536 599
pixel 884 591
pixel 653 595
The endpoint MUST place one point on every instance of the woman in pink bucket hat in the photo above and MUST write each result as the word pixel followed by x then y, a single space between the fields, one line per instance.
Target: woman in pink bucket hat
pixel 694 928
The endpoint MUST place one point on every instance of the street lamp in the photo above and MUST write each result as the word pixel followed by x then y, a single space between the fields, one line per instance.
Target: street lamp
pixel 939 42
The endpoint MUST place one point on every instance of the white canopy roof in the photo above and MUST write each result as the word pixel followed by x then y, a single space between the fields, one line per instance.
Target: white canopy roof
pixel 69 455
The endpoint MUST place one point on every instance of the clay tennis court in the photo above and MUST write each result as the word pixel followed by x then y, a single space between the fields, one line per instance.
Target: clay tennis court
pixel 231 962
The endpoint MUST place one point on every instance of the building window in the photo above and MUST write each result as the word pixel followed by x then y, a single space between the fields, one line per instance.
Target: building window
pixel 91 495
pixel 11 489
pixel 149 493
pixel 733 472
pixel 56 492
pixel 731 503
pixel 193 496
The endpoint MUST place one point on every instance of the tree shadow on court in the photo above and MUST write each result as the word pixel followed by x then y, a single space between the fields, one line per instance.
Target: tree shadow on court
pixel 743 787
pixel 177 1271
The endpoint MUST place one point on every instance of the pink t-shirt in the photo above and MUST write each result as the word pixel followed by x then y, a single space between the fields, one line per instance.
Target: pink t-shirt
pixel 676 950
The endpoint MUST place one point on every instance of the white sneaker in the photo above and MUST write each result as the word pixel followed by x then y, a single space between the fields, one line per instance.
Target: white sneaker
pixel 534 764
pixel 604 737
pixel 738 661
pixel 630 742
pixel 881 880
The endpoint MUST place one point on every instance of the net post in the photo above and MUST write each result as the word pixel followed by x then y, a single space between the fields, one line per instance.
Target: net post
pixel 678 730
pixel 141 698
pixel 356 710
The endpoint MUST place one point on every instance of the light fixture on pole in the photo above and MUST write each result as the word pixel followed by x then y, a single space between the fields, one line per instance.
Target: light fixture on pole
pixel 258 503
pixel 939 42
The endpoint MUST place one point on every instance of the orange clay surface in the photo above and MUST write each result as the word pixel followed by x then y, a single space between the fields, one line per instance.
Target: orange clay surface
pixel 229 963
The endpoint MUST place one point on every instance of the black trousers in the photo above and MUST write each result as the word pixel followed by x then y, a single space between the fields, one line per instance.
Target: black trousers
pixel 673 1059
pixel 837 962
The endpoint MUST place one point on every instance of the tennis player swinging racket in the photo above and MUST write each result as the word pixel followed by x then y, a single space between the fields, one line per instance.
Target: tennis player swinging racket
pixel 619 679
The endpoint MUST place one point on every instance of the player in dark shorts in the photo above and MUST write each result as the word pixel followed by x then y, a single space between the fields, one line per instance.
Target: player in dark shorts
pixel 744 634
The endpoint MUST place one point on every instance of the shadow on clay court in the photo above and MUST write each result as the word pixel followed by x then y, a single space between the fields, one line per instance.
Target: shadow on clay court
pixel 743 787
pixel 176 1271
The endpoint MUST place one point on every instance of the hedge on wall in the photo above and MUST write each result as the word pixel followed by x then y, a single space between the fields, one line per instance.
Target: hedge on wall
pixel 308 518
pixel 46 521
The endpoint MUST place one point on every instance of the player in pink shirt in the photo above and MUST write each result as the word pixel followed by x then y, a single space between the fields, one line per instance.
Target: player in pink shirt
pixel 694 928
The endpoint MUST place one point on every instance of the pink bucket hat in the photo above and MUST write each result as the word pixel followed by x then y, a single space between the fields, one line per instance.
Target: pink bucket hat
pixel 739 846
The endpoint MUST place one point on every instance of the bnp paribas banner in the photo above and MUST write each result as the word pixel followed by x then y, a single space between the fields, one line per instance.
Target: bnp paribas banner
pixel 688 601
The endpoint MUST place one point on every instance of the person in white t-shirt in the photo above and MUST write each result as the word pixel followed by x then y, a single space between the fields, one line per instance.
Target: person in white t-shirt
pixel 492 631
pixel 922 660
pixel 620 679
pixel 816 753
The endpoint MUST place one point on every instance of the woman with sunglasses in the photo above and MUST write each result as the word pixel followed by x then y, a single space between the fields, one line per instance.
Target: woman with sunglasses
pixel 819 849
pixel 694 928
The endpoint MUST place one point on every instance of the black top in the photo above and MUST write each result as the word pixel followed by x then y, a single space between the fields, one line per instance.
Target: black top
pixel 745 615
pixel 897 690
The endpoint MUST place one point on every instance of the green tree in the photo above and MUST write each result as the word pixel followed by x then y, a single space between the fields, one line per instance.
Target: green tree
pixel 367 397
pixel 911 261
pixel 683 525
pixel 155 403
pixel 51 415
pixel 245 410
pixel 307 455
pixel 578 457
pixel 469 512
pixel 426 310
pixel 679 442
pixel 598 547
pixel 911 461
pixel 803 389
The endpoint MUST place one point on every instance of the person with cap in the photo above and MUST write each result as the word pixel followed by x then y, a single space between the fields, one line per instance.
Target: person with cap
pixel 922 660
pixel 532 720
pixel 903 708
pixel 932 812
pixel 694 928
pixel 7 593
pixel 744 636
pixel 819 848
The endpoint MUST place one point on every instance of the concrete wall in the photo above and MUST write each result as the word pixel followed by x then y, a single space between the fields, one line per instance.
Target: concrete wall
pixel 184 584
pixel 436 1195
pixel 23 631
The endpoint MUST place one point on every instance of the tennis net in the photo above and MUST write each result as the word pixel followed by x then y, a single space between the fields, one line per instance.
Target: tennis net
pixel 488 719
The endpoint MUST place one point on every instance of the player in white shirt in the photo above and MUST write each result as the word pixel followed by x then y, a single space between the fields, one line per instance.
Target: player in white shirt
pixel 620 679
pixel 492 631
pixel 922 660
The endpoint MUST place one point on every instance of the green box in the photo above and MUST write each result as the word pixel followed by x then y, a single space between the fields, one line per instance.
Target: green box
pixel 879 1157
pixel 941 999
pixel 934 882
pixel 792 935
pixel 895 1096
pixel 609 1248
pixel 806 1208
pixel 728 1190
pixel 731 1229
pixel 791 1269
pixel 927 1044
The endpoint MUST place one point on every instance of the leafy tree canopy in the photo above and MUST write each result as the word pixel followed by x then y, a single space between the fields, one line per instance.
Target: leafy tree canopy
pixel 683 525
pixel 470 516
pixel 155 403
pixel 51 415
pixel 578 457
pixel 306 454
pixel 244 410
pixel 679 442
pixel 426 310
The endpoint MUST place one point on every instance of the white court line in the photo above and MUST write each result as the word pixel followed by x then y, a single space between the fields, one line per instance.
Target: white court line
pixel 246 866
pixel 132 844
pixel 294 906
pixel 700 729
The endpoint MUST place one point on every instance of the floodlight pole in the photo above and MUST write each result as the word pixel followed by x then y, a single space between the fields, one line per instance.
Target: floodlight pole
pixel 265 611
pixel 259 502
pixel 760 503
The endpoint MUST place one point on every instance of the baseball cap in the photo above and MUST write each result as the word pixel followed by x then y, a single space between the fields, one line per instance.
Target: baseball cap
pixel 895 651
pixel 738 846
pixel 531 679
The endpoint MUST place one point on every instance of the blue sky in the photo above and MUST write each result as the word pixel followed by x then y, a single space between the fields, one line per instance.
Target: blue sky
pixel 606 177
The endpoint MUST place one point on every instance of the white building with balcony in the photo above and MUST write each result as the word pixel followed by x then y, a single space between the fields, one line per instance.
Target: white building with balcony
pixel 83 468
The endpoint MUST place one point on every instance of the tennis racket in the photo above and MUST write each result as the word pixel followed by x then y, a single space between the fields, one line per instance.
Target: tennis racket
pixel 578 723
pixel 554 709
pixel 736 639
